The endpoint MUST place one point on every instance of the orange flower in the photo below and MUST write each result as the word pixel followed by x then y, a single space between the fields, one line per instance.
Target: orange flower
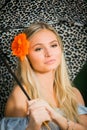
pixel 20 46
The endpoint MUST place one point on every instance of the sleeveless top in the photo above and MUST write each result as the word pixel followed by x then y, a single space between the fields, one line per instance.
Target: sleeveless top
pixel 17 123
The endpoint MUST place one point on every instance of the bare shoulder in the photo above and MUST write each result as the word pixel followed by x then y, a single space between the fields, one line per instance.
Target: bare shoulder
pixel 17 92
pixel 17 103
pixel 79 97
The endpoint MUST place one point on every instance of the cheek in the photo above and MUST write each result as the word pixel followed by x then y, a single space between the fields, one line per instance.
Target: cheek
pixel 35 59
pixel 58 53
pixel 59 56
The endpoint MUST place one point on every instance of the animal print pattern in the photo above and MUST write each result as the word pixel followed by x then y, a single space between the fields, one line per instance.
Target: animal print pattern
pixel 69 17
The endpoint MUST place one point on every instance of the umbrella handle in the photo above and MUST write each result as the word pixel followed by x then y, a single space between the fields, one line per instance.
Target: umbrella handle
pixel 4 59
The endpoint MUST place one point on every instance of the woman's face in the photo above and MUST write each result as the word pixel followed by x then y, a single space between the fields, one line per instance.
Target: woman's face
pixel 44 51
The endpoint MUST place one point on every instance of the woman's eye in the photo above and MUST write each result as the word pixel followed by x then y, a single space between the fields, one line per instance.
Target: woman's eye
pixel 38 49
pixel 54 45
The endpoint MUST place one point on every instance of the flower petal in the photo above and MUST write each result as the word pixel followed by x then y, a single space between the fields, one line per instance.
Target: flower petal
pixel 20 46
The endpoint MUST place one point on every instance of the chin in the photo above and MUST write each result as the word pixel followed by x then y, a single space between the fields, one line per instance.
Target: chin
pixel 51 68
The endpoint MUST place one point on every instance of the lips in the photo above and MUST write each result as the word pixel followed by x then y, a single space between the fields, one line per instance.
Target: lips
pixel 50 61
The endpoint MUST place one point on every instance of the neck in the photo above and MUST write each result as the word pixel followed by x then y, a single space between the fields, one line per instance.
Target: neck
pixel 46 87
pixel 46 79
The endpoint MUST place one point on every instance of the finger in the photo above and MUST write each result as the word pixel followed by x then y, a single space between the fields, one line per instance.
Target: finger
pixel 33 101
pixel 38 103
pixel 28 112
pixel 40 115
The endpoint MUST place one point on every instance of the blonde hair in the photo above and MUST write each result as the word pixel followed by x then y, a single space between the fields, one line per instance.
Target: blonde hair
pixel 62 85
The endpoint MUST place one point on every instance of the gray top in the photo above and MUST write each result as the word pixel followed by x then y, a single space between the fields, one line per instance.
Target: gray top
pixel 21 123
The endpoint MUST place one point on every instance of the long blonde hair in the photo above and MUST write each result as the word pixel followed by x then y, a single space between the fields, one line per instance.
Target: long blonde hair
pixel 62 85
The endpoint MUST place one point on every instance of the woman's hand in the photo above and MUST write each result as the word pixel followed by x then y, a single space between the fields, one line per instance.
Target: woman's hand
pixel 39 111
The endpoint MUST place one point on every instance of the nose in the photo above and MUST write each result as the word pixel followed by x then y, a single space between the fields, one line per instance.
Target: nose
pixel 47 52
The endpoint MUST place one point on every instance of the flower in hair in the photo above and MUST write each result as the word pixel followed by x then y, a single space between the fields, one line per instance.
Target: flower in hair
pixel 20 46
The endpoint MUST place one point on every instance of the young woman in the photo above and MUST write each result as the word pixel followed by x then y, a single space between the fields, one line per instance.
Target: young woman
pixel 54 103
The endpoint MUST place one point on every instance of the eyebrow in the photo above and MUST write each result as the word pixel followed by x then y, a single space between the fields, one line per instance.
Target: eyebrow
pixel 42 43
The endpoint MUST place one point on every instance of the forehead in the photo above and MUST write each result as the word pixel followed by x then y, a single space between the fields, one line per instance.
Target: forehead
pixel 43 35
